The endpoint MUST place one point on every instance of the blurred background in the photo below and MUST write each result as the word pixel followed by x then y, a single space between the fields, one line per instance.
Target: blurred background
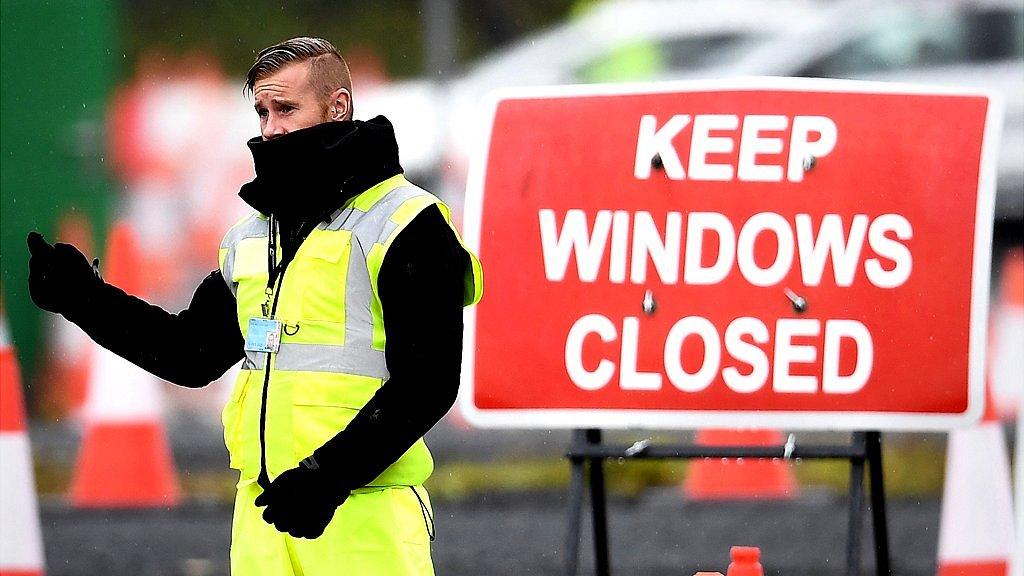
pixel 123 128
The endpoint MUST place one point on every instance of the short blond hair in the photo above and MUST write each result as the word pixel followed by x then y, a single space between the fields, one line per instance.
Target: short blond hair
pixel 328 71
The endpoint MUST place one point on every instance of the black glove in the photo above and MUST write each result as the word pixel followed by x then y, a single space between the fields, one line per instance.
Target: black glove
pixel 302 501
pixel 59 276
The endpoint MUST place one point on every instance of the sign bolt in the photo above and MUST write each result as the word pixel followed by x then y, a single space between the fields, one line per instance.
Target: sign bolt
pixel 799 303
pixel 787 451
pixel 638 447
pixel 648 304
pixel 809 163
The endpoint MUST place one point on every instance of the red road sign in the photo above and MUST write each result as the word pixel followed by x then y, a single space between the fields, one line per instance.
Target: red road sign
pixel 771 252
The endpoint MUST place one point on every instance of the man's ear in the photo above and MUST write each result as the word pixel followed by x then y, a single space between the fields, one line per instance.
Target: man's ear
pixel 341 105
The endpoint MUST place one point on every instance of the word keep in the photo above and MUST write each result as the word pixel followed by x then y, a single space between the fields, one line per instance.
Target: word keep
pixel 809 137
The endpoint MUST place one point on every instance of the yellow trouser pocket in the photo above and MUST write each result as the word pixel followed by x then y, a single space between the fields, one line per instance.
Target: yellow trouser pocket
pixel 408 502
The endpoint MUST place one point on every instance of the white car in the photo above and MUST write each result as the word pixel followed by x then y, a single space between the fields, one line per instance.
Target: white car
pixel 973 43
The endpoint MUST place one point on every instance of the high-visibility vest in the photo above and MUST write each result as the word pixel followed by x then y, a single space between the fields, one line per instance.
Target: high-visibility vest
pixel 331 356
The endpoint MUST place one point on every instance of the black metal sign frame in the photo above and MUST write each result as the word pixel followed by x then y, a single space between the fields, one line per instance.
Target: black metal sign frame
pixel 587 454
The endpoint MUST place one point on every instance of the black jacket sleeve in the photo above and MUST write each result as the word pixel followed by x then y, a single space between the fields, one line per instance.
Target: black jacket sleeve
pixel 191 348
pixel 421 291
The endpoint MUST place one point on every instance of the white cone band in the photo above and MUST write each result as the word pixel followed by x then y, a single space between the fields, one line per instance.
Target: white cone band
pixel 977 523
pixel 1007 358
pixel 21 544
pixel 119 391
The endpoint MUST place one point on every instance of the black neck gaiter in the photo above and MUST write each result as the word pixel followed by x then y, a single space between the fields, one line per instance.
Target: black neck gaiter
pixel 305 175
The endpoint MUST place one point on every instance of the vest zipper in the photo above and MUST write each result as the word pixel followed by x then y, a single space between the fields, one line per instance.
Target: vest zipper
pixel 264 478
pixel 276 280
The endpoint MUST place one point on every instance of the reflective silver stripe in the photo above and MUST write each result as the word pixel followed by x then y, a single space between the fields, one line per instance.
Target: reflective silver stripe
pixel 389 205
pixel 251 227
pixel 358 294
pixel 254 360
pixel 368 228
pixel 389 228
pixel 378 217
pixel 340 219
pixel 347 359
pixel 375 224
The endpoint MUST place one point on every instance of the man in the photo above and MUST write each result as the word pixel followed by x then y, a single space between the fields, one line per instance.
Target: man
pixel 349 324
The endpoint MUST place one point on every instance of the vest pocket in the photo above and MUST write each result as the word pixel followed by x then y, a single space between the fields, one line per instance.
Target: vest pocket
pixel 330 389
pixel 322 263
pixel 323 404
pixel 231 417
pixel 315 425
pixel 250 275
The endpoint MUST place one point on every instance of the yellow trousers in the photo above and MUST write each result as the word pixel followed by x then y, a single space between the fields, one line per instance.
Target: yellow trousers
pixel 381 532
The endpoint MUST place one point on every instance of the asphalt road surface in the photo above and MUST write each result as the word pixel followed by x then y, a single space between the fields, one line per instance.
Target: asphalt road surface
pixel 657 534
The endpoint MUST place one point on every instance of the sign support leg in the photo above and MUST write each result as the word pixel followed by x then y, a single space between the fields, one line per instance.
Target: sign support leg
pixel 878 516
pixel 598 508
pixel 588 453
pixel 576 479
pixel 855 519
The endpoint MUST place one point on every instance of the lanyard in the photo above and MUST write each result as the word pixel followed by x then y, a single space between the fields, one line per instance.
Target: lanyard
pixel 274 269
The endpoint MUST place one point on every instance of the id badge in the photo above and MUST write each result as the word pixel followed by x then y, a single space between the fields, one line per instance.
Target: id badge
pixel 264 335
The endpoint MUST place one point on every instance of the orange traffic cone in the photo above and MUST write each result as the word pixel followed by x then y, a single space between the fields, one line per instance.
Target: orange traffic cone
pixel 739 479
pixel 21 547
pixel 976 529
pixel 125 460
pixel 66 374
pixel 1007 337
pixel 746 561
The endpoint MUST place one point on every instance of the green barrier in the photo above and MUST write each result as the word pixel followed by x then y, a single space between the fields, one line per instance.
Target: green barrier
pixel 59 62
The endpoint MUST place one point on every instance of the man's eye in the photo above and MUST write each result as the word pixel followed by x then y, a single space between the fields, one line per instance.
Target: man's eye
pixel 287 109
pixel 262 113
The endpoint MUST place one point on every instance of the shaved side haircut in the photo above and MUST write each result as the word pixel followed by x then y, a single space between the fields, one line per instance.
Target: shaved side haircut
pixel 328 71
